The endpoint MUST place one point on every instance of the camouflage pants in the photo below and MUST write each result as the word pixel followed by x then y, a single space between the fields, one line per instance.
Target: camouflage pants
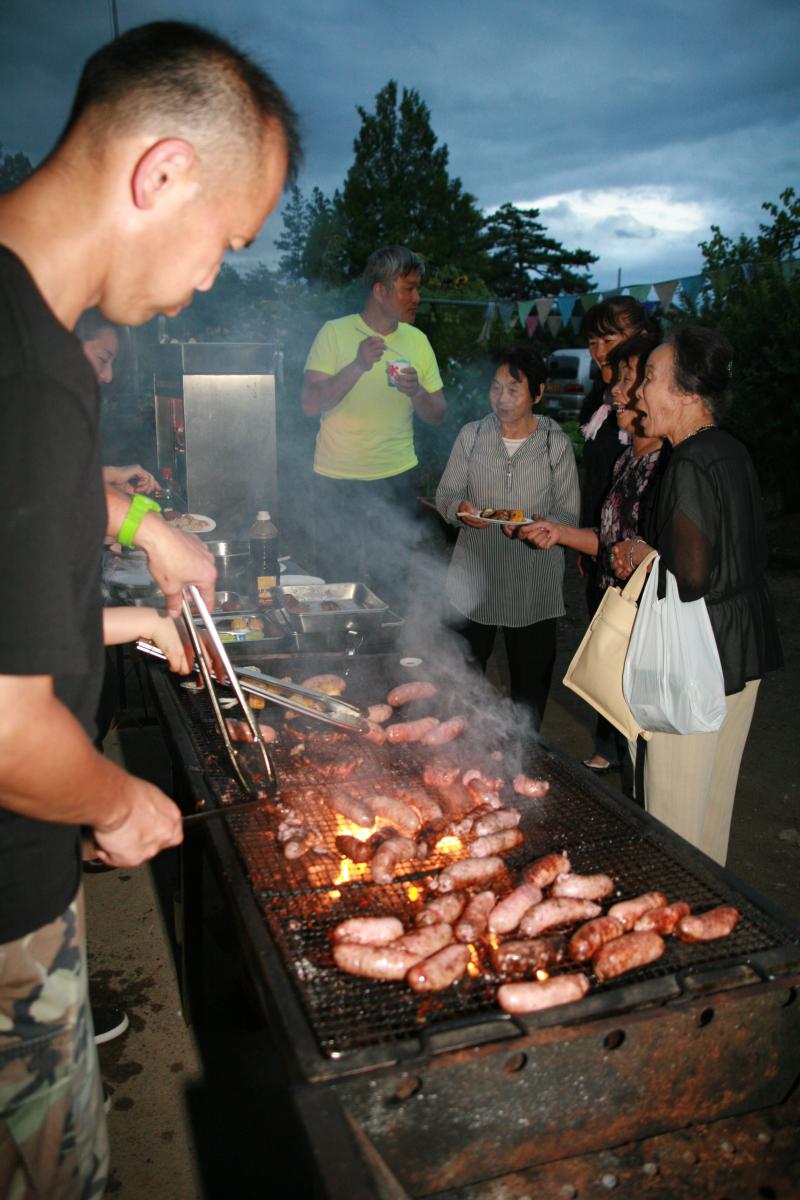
pixel 53 1143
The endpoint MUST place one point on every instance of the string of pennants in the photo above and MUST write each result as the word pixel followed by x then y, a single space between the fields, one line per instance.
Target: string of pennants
pixel 552 313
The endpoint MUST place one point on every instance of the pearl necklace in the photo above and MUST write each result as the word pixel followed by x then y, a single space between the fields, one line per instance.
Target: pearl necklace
pixel 700 429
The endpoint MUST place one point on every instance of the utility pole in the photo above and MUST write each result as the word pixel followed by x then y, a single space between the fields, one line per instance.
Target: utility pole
pixel 619 278
pixel 112 16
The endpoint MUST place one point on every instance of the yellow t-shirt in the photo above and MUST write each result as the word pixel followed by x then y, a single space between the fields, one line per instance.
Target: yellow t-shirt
pixel 370 432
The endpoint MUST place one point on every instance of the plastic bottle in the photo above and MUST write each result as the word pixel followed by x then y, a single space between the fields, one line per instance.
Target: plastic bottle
pixel 264 568
pixel 167 496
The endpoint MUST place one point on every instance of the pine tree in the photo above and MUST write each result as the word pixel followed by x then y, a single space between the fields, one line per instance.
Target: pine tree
pixel 524 260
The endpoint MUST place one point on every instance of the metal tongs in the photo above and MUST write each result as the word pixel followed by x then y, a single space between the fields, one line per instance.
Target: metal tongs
pixel 251 785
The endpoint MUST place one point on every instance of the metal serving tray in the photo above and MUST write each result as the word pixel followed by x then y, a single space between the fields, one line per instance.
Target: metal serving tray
pixel 357 605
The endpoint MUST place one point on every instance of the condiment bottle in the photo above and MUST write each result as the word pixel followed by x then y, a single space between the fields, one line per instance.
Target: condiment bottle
pixel 264 568
pixel 167 496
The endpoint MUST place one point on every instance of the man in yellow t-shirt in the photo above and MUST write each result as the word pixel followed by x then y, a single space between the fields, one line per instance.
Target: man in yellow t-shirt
pixel 366 375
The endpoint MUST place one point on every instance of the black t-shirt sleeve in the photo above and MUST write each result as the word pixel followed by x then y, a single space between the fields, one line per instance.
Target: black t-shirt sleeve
pixel 46 466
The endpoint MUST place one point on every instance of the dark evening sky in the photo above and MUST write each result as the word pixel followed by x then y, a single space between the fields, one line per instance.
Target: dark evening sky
pixel 632 127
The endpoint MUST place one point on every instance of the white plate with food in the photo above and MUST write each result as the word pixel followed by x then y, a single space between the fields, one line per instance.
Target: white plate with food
pixel 508 516
pixel 193 523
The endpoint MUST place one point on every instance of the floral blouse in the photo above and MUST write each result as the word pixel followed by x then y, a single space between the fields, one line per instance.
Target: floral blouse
pixel 619 516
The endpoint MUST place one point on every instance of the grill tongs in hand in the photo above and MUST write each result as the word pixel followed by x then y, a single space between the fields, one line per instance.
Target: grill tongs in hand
pixel 253 785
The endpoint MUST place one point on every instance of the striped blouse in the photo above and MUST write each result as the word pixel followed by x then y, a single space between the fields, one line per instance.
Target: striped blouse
pixel 493 579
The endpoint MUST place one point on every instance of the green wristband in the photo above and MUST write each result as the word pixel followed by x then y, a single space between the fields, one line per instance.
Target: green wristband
pixel 140 507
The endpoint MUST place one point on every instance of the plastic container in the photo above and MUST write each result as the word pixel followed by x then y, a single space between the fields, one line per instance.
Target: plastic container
pixel 264 566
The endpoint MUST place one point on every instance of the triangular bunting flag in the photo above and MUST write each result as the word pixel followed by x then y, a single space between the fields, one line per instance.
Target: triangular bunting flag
pixel 690 286
pixel 530 325
pixel 639 291
pixel 523 308
pixel 721 279
pixel 650 307
pixel 490 311
pixel 506 310
pixel 543 306
pixel 748 271
pixel 665 291
pixel 565 306
pixel 554 323
pixel 486 329
pixel 588 299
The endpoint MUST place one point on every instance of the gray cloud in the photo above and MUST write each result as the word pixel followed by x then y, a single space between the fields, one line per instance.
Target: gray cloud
pixel 697 99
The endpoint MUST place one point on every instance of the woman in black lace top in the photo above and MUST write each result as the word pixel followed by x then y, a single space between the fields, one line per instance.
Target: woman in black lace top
pixel 709 530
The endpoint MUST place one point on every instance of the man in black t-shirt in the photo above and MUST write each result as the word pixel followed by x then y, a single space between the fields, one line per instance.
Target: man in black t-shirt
pixel 176 150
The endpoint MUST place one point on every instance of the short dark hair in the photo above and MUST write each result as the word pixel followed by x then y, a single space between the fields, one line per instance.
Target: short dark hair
pixel 703 360
pixel 390 263
pixel 523 361
pixel 178 77
pixel 90 323
pixel 618 314
pixel 640 346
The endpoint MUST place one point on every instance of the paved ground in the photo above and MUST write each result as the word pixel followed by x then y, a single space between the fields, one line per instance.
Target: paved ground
pixel 175 1113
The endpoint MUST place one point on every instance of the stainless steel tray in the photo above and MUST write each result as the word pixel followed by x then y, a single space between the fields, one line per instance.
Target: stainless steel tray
pixel 357 607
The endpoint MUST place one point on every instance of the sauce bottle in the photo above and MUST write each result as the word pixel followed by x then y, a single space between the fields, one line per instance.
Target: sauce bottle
pixel 264 568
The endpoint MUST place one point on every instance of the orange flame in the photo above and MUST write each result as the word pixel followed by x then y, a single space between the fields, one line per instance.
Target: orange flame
pixel 449 844
pixel 348 870
pixel 473 967
pixel 542 975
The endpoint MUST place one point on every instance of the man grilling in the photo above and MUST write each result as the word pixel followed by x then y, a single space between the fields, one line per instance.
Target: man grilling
pixel 366 376
pixel 176 150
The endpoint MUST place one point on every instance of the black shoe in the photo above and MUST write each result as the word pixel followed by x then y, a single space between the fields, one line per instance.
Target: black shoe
pixel 109 1023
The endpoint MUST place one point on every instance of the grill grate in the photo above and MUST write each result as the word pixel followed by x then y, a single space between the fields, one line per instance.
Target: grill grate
pixel 302 902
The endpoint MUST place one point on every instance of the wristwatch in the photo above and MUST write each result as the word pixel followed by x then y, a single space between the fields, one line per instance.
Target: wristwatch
pixel 139 508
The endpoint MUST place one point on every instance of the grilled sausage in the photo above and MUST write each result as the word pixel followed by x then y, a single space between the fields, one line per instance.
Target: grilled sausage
pixel 496 843
pixel 448 731
pixel 444 908
pixel 387 857
pixel 300 843
pixel 469 872
pixel 331 685
pixel 544 870
pixel 456 800
pixel 406 692
pixel 493 783
pixel 401 816
pixel 525 956
pixel 238 731
pixel 440 970
pixel 464 827
pixel 494 822
pixel 350 807
pixel 626 953
pixel 419 799
pixel 378 713
pixel 708 926
pixel 410 731
pixel 549 993
pixel 354 849
pixel 587 940
pixel 525 786
pixel 663 920
pixel 476 915
pixel 373 962
pixel 427 940
pixel 629 911
pixel 368 931
pixel 556 913
pixel 268 733
pixel 439 774
pixel 375 733
pixel 506 916
pixel 584 887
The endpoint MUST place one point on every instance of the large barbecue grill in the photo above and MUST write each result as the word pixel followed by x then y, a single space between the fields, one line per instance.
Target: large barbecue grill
pixel 447 1089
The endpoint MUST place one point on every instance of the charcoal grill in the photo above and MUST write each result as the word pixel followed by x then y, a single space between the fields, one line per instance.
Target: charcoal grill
pixel 448 1090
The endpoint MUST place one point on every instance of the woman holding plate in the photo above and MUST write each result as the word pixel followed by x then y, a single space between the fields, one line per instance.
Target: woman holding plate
pixel 511 459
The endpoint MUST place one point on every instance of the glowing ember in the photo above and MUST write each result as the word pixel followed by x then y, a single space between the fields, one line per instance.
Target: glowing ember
pixel 472 966
pixel 335 894
pixel 542 975
pixel 413 892
pixel 349 871
pixel 449 845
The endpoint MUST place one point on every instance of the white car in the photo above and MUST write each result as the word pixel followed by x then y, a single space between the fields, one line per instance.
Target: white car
pixel 572 377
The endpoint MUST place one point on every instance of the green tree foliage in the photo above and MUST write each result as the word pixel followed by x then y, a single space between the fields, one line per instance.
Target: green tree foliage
pixel 524 260
pixel 754 299
pixel 14 169
pixel 398 189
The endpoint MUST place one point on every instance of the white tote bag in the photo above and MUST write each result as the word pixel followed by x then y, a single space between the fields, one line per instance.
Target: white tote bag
pixel 672 678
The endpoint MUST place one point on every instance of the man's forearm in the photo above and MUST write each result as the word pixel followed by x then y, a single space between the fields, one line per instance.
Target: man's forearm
pixel 71 784
pixel 322 394
pixel 430 407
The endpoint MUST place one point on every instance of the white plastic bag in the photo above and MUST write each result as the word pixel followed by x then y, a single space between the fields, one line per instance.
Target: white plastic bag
pixel 672 678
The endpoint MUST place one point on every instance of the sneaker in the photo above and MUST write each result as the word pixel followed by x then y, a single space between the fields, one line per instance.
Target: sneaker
pixel 109 1023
